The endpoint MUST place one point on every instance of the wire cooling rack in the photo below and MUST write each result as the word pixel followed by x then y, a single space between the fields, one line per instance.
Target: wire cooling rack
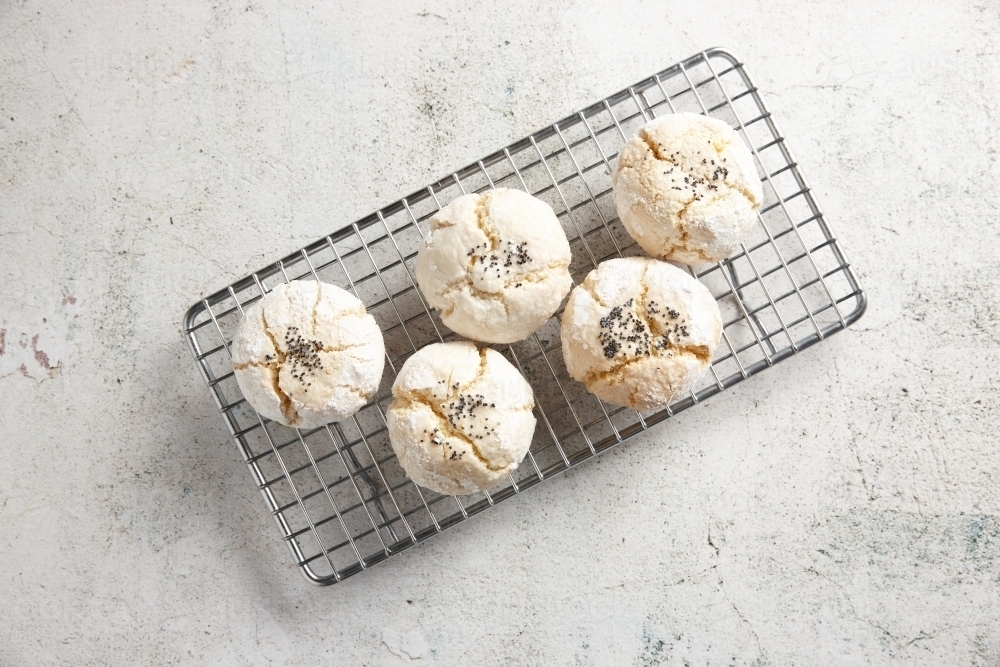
pixel 339 496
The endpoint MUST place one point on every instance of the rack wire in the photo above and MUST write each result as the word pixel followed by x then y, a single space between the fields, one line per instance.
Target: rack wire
pixel 337 493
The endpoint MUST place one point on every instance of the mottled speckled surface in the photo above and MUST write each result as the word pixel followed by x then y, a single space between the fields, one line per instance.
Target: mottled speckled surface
pixel 839 509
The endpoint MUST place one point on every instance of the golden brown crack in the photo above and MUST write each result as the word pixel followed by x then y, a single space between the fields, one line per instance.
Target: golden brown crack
pixel 285 401
pixel 642 308
pixel 357 392
pixel 614 372
pixel 700 352
pixel 255 364
pixel 537 275
pixel 653 147
pixel 718 146
pixel 617 372
pixel 286 407
pixel 438 222
pixel 457 285
pixel 483 220
pixel 480 370
pixel 588 286
pixel 319 293
pixel 750 197
pixel 682 243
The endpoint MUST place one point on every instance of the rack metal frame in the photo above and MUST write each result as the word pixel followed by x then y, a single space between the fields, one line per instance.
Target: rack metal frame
pixel 337 493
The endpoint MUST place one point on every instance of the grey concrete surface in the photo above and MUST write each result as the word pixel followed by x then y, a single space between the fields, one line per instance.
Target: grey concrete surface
pixel 839 509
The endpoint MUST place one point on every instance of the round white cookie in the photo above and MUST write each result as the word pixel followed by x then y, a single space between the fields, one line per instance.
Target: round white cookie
pixel 307 354
pixel 460 420
pixel 686 189
pixel 638 332
pixel 495 264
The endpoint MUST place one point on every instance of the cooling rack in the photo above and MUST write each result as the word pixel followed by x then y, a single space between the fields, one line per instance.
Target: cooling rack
pixel 337 493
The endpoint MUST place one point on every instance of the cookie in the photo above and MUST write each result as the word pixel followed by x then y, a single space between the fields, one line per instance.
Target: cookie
pixel 460 420
pixel 495 264
pixel 686 189
pixel 639 332
pixel 307 354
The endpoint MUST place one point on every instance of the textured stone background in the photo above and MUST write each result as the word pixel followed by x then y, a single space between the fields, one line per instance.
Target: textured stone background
pixel 840 509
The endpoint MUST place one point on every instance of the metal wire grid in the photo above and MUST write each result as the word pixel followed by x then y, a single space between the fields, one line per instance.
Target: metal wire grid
pixel 337 493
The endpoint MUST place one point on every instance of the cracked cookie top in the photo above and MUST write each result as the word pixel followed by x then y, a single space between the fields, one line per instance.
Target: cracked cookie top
pixel 460 420
pixel 495 264
pixel 686 189
pixel 307 354
pixel 638 332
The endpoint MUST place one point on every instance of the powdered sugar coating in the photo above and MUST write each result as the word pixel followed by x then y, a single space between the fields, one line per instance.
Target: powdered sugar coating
pixel 686 189
pixel 461 418
pixel 638 332
pixel 307 354
pixel 495 264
